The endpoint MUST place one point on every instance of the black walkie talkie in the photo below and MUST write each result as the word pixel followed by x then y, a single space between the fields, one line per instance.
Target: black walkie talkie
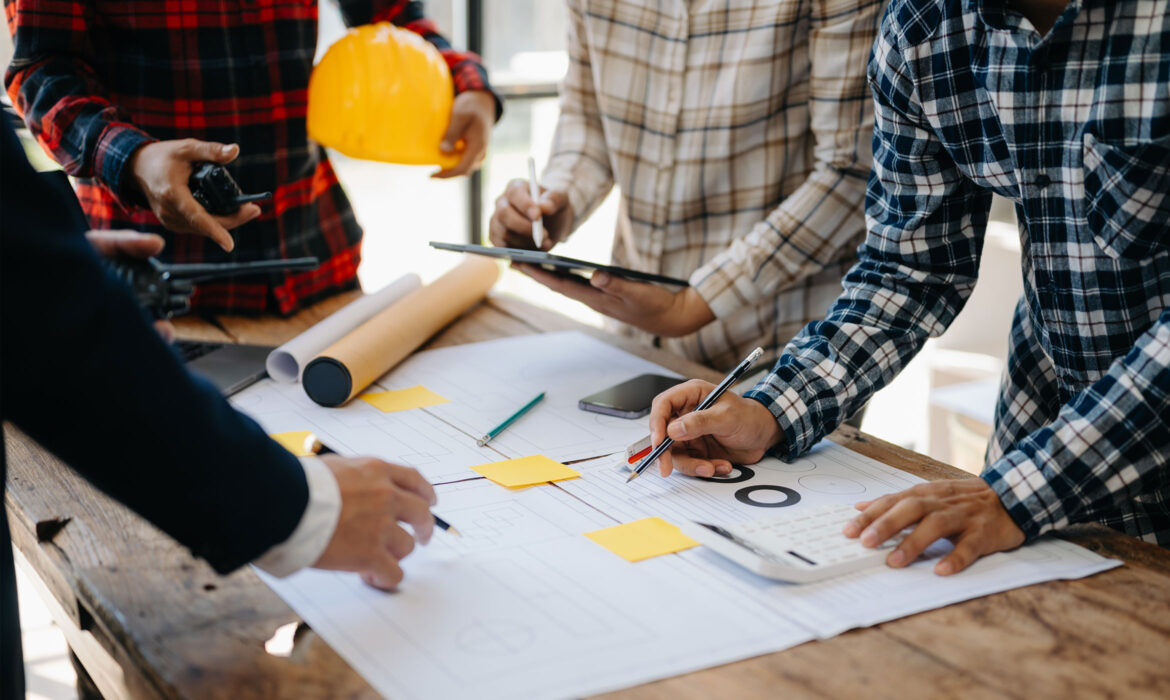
pixel 213 187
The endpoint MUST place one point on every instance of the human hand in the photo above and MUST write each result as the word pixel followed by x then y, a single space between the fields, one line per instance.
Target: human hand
pixel 472 117
pixel 111 244
pixel 511 224
pixel 160 171
pixel 966 511
pixel 707 443
pixel 643 305
pixel 375 497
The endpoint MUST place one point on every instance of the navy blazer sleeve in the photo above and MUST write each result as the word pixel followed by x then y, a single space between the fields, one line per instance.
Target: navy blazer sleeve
pixel 83 372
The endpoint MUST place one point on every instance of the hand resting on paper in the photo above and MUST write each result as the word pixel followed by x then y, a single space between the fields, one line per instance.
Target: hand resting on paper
pixel 110 244
pixel 733 431
pixel 376 497
pixel 966 511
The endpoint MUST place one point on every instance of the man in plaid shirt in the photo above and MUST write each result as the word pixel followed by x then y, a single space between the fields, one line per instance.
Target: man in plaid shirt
pixel 1065 111
pixel 126 95
pixel 739 136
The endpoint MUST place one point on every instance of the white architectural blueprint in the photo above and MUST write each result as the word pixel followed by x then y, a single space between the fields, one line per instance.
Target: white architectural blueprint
pixel 523 605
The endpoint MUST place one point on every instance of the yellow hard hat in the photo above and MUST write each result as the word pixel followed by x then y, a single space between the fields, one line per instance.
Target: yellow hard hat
pixel 383 93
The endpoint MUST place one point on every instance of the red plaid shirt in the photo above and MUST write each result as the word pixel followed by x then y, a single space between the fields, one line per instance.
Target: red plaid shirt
pixel 95 80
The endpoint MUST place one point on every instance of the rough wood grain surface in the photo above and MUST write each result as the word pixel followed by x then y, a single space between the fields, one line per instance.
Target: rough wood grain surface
pixel 156 622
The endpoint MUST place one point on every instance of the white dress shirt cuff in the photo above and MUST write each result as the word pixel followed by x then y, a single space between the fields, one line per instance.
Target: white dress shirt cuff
pixel 313 533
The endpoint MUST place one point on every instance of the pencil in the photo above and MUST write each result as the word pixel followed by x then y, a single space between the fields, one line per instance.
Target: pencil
pixel 704 404
pixel 314 446
pixel 534 192
pixel 511 419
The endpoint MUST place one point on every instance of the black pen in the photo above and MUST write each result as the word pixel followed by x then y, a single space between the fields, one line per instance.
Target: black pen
pixel 706 403
pixel 314 446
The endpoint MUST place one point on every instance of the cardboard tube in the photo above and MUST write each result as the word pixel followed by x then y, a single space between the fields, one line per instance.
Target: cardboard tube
pixel 351 364
pixel 287 362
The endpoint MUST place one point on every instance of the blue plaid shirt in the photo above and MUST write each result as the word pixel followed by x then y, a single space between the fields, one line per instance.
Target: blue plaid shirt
pixel 1074 128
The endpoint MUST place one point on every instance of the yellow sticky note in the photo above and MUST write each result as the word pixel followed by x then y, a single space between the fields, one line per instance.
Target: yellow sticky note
pixel 403 399
pixel 526 471
pixel 293 442
pixel 642 539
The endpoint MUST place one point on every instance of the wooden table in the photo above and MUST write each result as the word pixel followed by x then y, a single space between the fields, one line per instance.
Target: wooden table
pixel 149 620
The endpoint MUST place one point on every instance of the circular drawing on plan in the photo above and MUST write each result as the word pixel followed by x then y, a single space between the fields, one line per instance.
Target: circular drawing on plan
pixel 744 473
pixel 804 465
pixel 764 496
pixel 494 637
pixel 835 485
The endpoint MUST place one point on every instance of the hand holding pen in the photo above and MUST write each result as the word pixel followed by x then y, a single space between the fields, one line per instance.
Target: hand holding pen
pixel 700 431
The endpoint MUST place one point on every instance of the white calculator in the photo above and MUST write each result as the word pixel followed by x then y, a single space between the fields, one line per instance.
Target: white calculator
pixel 798 547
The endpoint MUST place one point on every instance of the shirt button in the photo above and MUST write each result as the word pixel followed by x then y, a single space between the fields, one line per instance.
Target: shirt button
pixel 1042 180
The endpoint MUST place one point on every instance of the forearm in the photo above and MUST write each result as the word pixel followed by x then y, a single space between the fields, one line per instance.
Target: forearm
pixel 85 375
pixel 821 223
pixel 1109 443
pixel 579 160
pixel 918 267
pixel 62 99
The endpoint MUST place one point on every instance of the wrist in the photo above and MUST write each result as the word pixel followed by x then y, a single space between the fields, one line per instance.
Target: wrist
pixel 691 311
pixel 117 153
pixel 768 430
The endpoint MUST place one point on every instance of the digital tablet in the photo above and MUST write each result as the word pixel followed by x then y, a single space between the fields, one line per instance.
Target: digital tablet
pixel 537 257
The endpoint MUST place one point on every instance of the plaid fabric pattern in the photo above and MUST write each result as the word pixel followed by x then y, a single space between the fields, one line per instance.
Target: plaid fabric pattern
pixel 1074 128
pixel 738 133
pixel 96 80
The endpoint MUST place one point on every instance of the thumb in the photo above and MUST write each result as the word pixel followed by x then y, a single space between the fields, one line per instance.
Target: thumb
pixel 209 150
pixel 552 201
pixel 617 286
pixel 455 129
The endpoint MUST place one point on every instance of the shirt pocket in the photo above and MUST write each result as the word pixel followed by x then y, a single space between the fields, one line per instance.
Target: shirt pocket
pixel 1127 197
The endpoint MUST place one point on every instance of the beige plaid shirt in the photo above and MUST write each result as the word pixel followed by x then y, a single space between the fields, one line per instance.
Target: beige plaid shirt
pixel 739 134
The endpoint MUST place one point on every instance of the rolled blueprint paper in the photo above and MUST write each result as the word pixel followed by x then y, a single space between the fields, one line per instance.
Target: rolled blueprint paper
pixel 287 362
pixel 351 364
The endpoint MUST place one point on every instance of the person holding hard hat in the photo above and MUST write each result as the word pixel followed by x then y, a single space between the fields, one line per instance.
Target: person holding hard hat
pixel 127 97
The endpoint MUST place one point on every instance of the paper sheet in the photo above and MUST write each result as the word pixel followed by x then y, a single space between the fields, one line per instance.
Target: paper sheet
pixel 487 381
pixel 286 362
pixel 525 471
pixel 523 606
pixel 403 399
pixel 642 539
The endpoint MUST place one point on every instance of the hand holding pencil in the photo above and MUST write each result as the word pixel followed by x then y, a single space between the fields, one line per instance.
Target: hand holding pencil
pixel 708 441
pixel 314 446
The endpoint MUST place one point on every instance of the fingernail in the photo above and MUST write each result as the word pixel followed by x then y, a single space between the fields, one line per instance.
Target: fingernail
pixel 851 529
pixel 226 150
pixel 534 213
pixel 600 279
pixel 704 470
pixel 445 147
pixel 897 558
pixel 869 538
pixel 944 568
